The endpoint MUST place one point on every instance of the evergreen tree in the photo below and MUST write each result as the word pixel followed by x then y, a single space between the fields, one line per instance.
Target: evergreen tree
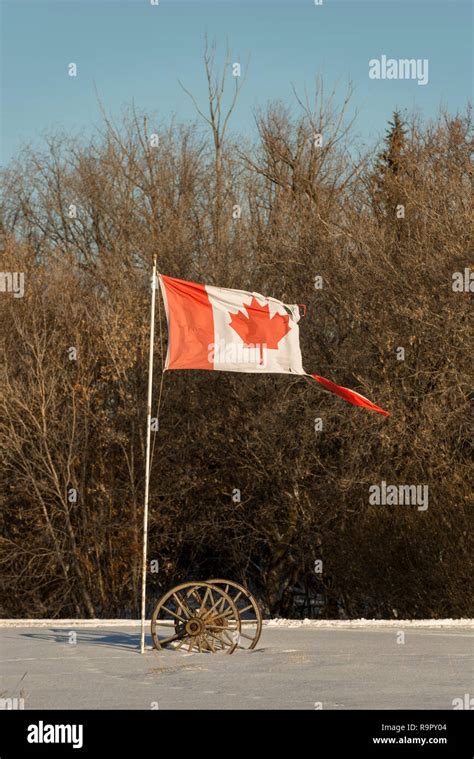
pixel 386 190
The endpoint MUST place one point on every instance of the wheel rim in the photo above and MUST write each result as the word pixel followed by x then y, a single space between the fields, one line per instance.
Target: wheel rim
pixel 249 612
pixel 196 616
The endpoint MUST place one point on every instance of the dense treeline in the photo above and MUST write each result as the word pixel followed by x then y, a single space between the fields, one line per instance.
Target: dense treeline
pixel 386 232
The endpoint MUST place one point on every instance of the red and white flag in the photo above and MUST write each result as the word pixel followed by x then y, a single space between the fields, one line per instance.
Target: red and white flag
pixel 237 331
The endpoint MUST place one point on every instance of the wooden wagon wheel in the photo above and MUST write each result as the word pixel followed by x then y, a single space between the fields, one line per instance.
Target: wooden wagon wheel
pixel 250 615
pixel 202 617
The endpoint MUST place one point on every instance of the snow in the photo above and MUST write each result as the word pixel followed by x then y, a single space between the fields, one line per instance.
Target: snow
pixel 293 623
pixel 344 623
pixel 291 667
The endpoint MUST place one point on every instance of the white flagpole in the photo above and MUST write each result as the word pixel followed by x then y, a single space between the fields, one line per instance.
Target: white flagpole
pixel 147 460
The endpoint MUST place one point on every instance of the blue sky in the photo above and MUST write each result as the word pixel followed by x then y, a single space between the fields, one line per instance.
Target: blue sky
pixel 136 51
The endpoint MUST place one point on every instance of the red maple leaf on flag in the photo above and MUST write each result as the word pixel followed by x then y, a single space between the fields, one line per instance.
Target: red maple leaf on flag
pixel 259 328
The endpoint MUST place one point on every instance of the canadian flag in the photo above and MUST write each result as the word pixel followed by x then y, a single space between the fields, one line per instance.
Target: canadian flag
pixel 237 331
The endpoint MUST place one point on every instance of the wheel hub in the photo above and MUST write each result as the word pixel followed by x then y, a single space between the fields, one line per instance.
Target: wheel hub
pixel 194 626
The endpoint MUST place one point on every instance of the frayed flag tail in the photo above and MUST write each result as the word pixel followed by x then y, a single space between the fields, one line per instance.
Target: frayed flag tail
pixel 349 395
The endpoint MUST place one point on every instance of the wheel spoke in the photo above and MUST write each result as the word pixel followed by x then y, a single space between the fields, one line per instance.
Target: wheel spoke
pixel 181 603
pixel 202 600
pixel 222 601
pixel 220 640
pixel 205 616
pixel 227 613
pixel 195 593
pixel 236 597
pixel 167 641
pixel 176 616
pixel 213 602
pixel 185 638
pixel 229 637
pixel 246 608
pixel 222 604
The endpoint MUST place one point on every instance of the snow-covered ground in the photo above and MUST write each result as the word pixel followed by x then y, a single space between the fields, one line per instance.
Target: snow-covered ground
pixel 295 623
pixel 343 623
pixel 357 664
